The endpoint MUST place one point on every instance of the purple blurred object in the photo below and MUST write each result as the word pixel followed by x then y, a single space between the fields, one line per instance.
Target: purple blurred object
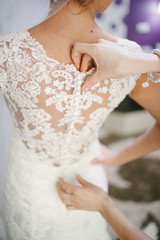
pixel 99 15
pixel 118 2
pixel 144 16
pixel 143 21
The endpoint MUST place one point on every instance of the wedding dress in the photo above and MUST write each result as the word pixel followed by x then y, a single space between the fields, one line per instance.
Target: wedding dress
pixel 55 135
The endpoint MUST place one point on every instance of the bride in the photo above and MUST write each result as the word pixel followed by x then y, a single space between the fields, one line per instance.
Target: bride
pixel 55 124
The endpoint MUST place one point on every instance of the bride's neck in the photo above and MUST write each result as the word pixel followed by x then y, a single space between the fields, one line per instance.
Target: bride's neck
pixel 60 32
pixel 70 23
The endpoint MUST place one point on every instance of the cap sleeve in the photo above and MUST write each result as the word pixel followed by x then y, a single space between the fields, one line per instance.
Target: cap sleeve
pixel 132 47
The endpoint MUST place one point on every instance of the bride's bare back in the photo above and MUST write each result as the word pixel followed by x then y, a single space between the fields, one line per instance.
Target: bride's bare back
pixel 71 24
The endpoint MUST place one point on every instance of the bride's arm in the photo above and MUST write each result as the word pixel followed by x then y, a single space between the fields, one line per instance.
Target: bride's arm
pixel 149 141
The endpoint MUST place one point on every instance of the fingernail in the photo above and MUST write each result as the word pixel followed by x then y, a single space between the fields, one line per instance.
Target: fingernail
pixel 85 90
pixel 77 60
pixel 94 161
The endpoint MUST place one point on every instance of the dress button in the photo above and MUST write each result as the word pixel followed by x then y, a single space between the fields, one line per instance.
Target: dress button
pixel 79 75
pixel 79 82
pixel 56 164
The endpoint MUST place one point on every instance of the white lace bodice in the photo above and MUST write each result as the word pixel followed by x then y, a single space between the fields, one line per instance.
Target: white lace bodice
pixel 51 115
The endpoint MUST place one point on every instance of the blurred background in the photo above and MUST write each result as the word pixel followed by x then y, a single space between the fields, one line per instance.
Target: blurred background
pixel 134 186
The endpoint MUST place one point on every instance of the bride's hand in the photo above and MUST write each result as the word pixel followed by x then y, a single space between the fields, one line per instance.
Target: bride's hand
pixel 85 197
pixel 108 157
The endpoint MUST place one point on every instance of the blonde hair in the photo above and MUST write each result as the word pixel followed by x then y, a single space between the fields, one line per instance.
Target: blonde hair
pixel 84 3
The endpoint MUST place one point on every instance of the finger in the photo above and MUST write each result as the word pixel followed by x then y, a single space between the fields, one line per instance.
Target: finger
pixel 98 161
pixel 69 188
pixel 90 81
pixel 78 50
pixel 82 181
pixel 86 63
pixel 65 197
pixel 71 208
pixel 66 201
pixel 60 190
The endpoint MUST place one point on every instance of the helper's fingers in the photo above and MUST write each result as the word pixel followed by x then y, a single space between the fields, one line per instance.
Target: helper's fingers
pixel 105 162
pixel 97 161
pixel 82 181
pixel 78 50
pixel 65 197
pixel 90 81
pixel 86 63
pixel 69 188
pixel 71 207
pixel 60 190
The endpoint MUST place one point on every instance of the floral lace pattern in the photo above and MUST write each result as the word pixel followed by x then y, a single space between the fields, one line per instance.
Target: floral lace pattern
pixel 46 102
pixel 55 134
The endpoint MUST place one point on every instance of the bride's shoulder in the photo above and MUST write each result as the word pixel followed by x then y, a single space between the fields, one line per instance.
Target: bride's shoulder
pixel 129 44
pixel 8 44
pixel 124 43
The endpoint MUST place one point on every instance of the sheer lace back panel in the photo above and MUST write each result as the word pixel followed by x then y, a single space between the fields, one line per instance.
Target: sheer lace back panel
pixel 51 115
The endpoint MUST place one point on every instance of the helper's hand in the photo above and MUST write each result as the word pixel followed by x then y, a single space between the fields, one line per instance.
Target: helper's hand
pixel 108 157
pixel 85 197
pixel 110 61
